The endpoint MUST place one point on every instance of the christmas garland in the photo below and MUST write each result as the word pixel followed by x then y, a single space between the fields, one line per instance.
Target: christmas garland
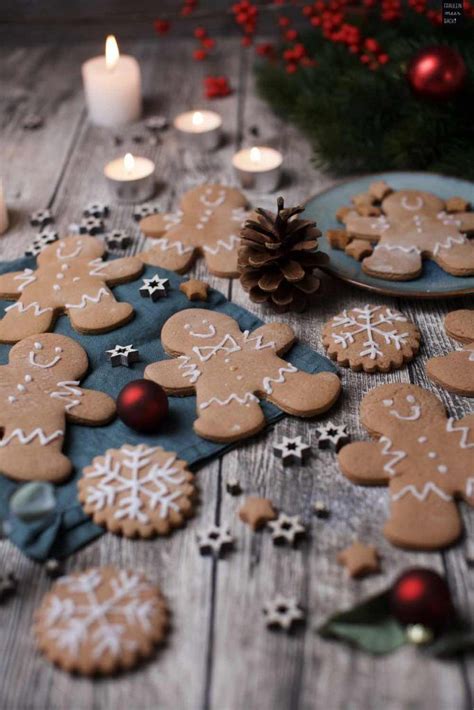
pixel 345 85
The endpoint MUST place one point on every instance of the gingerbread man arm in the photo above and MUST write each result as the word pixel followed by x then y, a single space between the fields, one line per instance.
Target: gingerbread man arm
pixel 119 270
pixel 25 318
pixel 279 335
pixel 11 284
pixel 177 376
pixel 300 393
pixel 93 408
pixel 467 221
pixel 371 228
pixel 171 251
pixel 363 463
pixel 156 225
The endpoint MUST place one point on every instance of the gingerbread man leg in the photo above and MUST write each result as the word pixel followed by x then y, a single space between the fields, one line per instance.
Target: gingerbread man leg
pixel 362 462
pixel 301 393
pixel 455 255
pixel 435 518
pixel 391 261
pixel 98 312
pixel 221 258
pixel 25 318
pixel 223 420
pixel 171 251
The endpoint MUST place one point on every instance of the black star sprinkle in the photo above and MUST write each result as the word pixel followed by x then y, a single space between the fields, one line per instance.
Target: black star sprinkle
pixel 332 436
pixel 40 218
pixel 233 486
pixel 117 239
pixel 154 288
pixel 282 612
pixel 286 528
pixel 123 355
pixel 91 225
pixel 215 540
pixel 96 209
pixel 141 211
pixel 291 450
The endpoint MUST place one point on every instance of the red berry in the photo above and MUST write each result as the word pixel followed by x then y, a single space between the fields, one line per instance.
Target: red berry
pixel 291 35
pixel 208 42
pixel 200 32
pixel 199 55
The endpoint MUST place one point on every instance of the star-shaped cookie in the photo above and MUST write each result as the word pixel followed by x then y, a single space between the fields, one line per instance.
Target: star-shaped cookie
pixel 359 559
pixel 291 450
pixel 257 511
pixel 195 290
pixel 154 288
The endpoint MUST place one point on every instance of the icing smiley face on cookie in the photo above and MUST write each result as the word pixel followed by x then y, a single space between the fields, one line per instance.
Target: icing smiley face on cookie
pixel 39 391
pixel 412 225
pixel 71 278
pixel 231 370
pixel 423 456
pixel 208 225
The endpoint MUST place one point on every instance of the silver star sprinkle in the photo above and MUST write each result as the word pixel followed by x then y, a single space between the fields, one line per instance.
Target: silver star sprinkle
pixel 45 237
pixel 283 612
pixel 320 509
pixel 141 211
pixel 332 436
pixel 123 355
pixel 233 486
pixel 215 540
pixel 91 225
pixel 117 239
pixel 154 288
pixel 286 528
pixel 40 218
pixel 292 450
pixel 96 209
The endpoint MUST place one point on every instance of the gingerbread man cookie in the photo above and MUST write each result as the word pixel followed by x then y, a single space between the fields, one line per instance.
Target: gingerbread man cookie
pixel 413 225
pixel 425 459
pixel 39 391
pixel 230 371
pixel 71 278
pixel 455 371
pixel 373 338
pixel 208 225
pixel 139 491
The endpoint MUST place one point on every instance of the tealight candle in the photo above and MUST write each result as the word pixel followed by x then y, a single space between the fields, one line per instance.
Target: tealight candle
pixel 112 85
pixel 3 211
pixel 131 178
pixel 201 128
pixel 258 168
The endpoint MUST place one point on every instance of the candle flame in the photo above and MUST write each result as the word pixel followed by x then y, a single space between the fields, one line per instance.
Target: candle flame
pixel 129 163
pixel 197 118
pixel 255 155
pixel 112 54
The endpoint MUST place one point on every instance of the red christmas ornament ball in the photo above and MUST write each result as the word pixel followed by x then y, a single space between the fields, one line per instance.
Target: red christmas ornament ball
pixel 421 596
pixel 142 405
pixel 437 73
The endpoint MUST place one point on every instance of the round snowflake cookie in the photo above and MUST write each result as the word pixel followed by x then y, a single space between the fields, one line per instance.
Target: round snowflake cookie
pixel 139 491
pixel 372 338
pixel 100 620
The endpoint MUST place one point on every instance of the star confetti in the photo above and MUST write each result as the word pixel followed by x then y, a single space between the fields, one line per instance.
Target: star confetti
pixel 233 486
pixel 154 288
pixel 292 450
pixel 332 436
pixel 96 209
pixel 256 512
pixel 359 559
pixel 91 225
pixel 215 540
pixel 117 239
pixel 286 528
pixel 40 218
pixel 194 289
pixel 141 211
pixel 42 240
pixel 282 612
pixel 123 355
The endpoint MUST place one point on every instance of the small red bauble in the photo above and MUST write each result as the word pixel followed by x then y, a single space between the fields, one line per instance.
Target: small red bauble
pixel 421 596
pixel 437 73
pixel 142 405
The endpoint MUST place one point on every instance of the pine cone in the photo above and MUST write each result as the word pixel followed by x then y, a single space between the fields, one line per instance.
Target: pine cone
pixel 277 257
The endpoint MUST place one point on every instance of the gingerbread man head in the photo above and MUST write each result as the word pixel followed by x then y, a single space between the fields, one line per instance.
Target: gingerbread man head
pixel 395 406
pixel 49 357
pixel 199 332
pixel 71 249
pixel 405 204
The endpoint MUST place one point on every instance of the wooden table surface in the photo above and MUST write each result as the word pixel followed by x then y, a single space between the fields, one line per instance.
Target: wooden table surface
pixel 219 655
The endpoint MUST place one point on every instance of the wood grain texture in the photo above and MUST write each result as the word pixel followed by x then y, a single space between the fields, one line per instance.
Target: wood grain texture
pixel 219 654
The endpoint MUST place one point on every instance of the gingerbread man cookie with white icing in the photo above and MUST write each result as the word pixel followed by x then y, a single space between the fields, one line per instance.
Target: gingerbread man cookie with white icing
pixel 423 456
pixel 455 371
pixel 71 278
pixel 230 371
pixel 412 225
pixel 208 224
pixel 39 392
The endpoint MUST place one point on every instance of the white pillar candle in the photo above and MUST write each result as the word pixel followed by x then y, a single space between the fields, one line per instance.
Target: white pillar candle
pixel 131 178
pixel 258 168
pixel 3 211
pixel 201 128
pixel 112 85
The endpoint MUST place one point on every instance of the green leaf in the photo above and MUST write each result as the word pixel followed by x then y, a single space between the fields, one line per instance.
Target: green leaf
pixel 457 640
pixel 368 626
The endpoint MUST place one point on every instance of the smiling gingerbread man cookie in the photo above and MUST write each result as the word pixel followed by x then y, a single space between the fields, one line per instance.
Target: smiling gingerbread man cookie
pixel 423 456
pixel 71 278
pixel 413 225
pixel 208 225
pixel 230 371
pixel 39 391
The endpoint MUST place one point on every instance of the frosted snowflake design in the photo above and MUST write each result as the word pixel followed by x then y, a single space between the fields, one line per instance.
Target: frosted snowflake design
pixel 370 322
pixel 135 484
pixel 104 609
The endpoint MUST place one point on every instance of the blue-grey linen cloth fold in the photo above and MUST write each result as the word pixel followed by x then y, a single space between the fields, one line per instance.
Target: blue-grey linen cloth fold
pixel 70 528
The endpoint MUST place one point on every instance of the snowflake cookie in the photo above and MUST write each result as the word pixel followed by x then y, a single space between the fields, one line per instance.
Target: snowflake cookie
pixel 139 491
pixel 208 225
pixel 230 371
pixel 403 227
pixel 455 371
pixel 423 456
pixel 101 620
pixel 71 278
pixel 372 338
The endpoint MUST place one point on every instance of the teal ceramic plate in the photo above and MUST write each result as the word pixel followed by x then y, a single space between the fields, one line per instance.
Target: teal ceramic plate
pixel 433 282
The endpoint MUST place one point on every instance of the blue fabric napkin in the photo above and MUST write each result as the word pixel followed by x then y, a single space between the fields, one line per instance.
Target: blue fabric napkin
pixel 70 528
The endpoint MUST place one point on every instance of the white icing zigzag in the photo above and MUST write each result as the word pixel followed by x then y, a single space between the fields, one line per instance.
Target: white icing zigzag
pixel 463 430
pixel 258 340
pixel 67 390
pixel 88 299
pixel 450 242
pixel 28 438
pixel 422 494
pixel 232 242
pixel 97 266
pixel 248 397
pixel 269 381
pixel 38 311
pixel 398 247
pixel 397 456
pixel 227 345
pixel 27 277
pixel 190 369
pixel 165 245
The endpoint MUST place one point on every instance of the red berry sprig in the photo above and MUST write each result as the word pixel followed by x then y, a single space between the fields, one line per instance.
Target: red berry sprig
pixel 245 15
pixel 216 87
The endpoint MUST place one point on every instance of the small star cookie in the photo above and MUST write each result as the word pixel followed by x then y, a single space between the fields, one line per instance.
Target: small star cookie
pixel 256 512
pixel 195 290
pixel 359 559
